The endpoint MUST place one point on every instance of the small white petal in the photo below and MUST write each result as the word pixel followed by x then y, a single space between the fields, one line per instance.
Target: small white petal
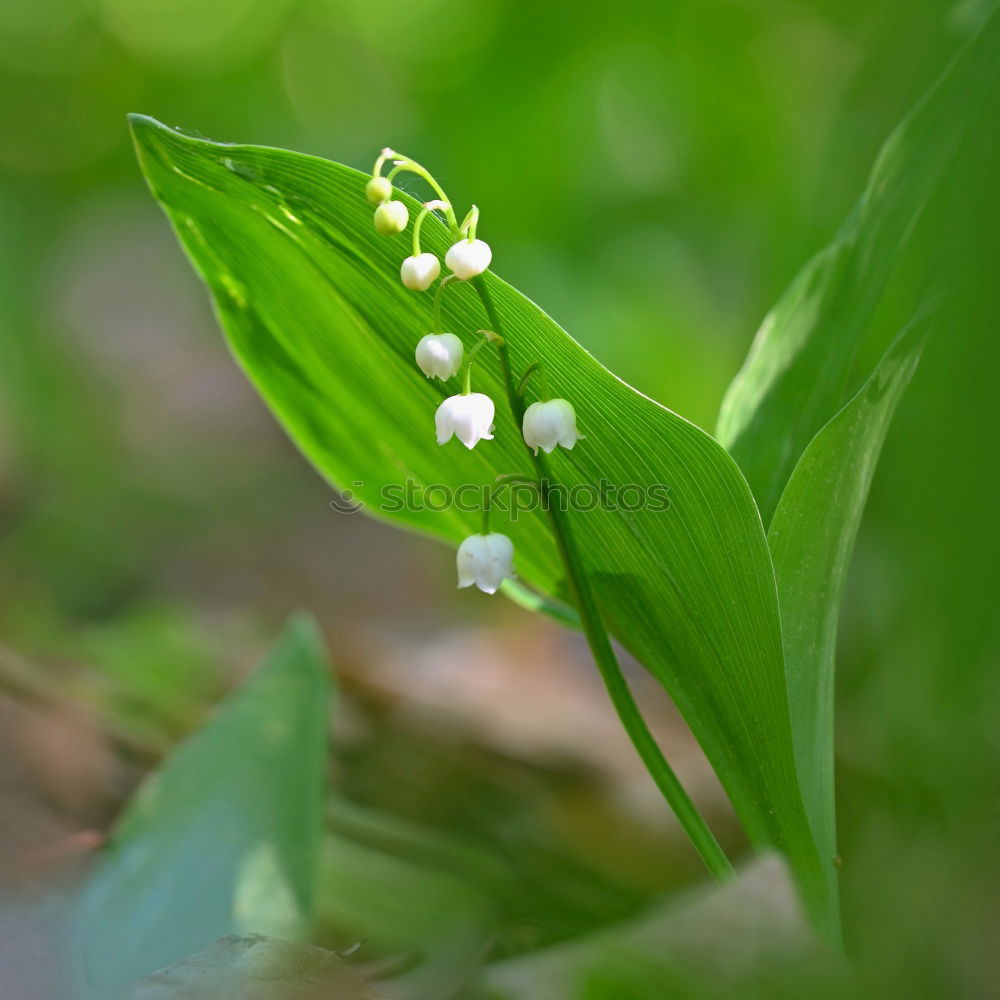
pixel 467 258
pixel 439 355
pixel 467 417
pixel 420 272
pixel 550 423
pixel 486 561
pixel 468 559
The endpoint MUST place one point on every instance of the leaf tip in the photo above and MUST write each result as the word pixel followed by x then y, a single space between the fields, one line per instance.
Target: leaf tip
pixel 150 138
pixel 141 126
pixel 302 635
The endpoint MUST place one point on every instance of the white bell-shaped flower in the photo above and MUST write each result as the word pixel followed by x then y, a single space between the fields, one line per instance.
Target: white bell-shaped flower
pixel 486 561
pixel 467 258
pixel 469 417
pixel 391 218
pixel 439 355
pixel 549 424
pixel 420 272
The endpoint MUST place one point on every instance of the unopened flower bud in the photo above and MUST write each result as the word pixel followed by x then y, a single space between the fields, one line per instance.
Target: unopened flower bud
pixel 549 424
pixel 469 417
pixel 420 272
pixel 440 355
pixel 467 258
pixel 486 561
pixel 378 189
pixel 391 218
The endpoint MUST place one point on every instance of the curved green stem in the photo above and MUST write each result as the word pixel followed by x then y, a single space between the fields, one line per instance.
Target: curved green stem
pixel 487 503
pixel 528 372
pixel 503 482
pixel 447 280
pixel 428 207
pixel 469 358
pixel 418 222
pixel 405 164
pixel 539 368
pixel 600 644
pixel 470 223
pixel 382 157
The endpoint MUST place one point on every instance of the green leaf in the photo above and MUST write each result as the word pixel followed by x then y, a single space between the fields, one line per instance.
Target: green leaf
pixel 313 308
pixel 797 371
pixel 225 837
pixel 811 540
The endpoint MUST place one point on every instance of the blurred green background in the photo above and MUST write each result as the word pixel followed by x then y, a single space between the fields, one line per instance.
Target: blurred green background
pixel 653 174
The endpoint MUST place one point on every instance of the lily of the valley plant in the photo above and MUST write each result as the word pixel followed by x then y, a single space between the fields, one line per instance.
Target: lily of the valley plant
pixel 486 559
pixel 729 597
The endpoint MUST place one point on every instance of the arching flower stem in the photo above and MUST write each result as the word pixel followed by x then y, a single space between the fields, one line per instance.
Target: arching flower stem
pixel 429 206
pixel 403 164
pixel 503 482
pixel 469 223
pixel 437 301
pixel 382 157
pixel 535 368
pixel 469 358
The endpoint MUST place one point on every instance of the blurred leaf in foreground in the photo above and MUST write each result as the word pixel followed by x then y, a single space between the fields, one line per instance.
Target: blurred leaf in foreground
pixel 255 967
pixel 225 837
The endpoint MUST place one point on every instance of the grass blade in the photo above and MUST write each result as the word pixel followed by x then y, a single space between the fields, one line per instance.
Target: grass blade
pixel 811 540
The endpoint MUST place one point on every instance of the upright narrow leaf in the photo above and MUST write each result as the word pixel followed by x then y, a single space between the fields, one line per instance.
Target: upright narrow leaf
pixel 312 305
pixel 225 837
pixel 795 376
pixel 811 539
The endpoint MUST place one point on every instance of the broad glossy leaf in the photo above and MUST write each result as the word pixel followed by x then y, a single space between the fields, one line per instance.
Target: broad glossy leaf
pixel 796 373
pixel 225 837
pixel 811 537
pixel 313 308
